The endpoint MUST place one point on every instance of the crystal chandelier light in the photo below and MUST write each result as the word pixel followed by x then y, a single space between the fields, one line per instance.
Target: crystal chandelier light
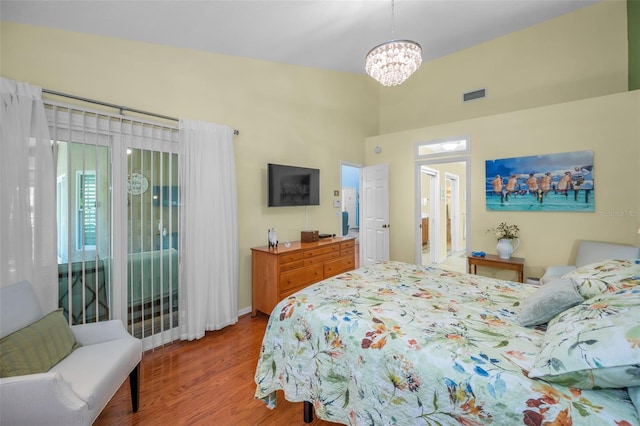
pixel 391 63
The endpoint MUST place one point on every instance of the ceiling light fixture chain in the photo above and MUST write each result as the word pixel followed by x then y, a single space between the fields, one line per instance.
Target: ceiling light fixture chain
pixel 392 62
pixel 393 18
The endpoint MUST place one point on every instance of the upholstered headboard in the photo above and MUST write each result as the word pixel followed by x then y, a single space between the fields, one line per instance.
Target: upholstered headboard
pixel 597 251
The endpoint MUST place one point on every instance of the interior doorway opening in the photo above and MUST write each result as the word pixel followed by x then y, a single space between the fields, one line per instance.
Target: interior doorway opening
pixel 350 200
pixel 443 214
pixel 442 185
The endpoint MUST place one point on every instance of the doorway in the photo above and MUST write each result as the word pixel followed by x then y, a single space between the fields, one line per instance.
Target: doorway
pixel 441 203
pixel 350 200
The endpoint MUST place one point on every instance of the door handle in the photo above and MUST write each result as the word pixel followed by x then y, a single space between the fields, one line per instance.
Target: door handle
pixel 386 226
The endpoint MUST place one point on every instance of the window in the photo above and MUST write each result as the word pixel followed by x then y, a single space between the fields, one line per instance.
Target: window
pixel 86 208
pixel 442 147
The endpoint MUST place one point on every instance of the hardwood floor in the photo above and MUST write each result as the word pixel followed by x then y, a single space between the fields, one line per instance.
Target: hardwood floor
pixel 204 382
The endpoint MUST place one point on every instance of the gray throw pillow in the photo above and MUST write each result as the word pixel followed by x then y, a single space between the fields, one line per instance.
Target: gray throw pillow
pixel 548 301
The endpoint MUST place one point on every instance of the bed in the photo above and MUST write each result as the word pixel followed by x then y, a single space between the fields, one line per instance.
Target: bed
pixel 400 344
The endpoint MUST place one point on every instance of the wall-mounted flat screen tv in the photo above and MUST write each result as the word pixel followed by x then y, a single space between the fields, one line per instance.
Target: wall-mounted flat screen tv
pixel 292 186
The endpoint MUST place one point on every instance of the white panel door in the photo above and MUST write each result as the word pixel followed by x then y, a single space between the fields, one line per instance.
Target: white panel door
pixel 374 234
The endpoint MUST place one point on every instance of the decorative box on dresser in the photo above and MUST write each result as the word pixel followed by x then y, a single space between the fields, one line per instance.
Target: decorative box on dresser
pixel 278 272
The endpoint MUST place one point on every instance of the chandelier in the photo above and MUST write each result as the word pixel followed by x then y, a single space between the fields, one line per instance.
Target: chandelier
pixel 393 62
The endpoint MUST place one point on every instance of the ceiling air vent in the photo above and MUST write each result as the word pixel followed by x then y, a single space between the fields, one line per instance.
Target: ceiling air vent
pixel 476 94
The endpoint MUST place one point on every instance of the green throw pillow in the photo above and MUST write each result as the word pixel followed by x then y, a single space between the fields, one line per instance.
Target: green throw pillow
pixel 37 347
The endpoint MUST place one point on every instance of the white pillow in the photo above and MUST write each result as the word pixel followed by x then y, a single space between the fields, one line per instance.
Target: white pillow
pixel 607 276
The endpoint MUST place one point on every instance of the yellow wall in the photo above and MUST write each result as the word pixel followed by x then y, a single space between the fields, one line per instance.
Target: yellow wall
pixel 575 56
pixel 285 114
pixel 316 118
pixel 608 125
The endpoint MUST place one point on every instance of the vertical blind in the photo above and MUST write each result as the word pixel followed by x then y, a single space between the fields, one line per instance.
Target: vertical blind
pixel 117 213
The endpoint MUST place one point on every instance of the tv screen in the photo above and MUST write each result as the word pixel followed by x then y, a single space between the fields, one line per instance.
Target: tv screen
pixel 292 186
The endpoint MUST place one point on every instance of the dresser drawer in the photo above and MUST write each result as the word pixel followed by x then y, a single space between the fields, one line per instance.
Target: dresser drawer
pixel 338 266
pixel 350 251
pixel 321 258
pixel 289 257
pixel 321 250
pixel 347 244
pixel 284 267
pixel 300 277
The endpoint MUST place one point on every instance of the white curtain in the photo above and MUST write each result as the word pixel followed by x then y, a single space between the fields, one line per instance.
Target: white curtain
pixel 27 193
pixel 208 229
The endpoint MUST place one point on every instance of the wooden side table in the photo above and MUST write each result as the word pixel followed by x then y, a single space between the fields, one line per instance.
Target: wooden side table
pixel 494 261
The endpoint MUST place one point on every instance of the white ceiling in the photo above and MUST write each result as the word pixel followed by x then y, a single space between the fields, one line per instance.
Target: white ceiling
pixel 333 35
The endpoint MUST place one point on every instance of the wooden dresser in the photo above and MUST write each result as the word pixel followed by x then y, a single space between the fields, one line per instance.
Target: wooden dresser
pixel 277 273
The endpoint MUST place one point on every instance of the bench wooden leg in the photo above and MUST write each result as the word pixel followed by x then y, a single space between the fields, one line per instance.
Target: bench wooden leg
pixel 134 386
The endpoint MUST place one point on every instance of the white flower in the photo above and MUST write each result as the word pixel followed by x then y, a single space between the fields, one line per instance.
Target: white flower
pixel 505 231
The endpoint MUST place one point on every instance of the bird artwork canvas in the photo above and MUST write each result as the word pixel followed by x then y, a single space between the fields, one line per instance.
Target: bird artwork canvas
pixel 541 183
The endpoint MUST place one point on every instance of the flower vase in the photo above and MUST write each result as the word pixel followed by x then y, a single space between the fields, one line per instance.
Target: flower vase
pixel 505 247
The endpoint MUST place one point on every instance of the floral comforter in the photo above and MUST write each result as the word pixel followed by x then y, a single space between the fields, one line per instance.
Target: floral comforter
pixel 400 344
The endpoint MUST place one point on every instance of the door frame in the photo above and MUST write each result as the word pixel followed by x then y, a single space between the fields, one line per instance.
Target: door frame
pixel 465 158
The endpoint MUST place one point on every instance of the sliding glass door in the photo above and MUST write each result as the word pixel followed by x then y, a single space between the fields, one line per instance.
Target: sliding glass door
pixel 152 241
pixel 118 209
